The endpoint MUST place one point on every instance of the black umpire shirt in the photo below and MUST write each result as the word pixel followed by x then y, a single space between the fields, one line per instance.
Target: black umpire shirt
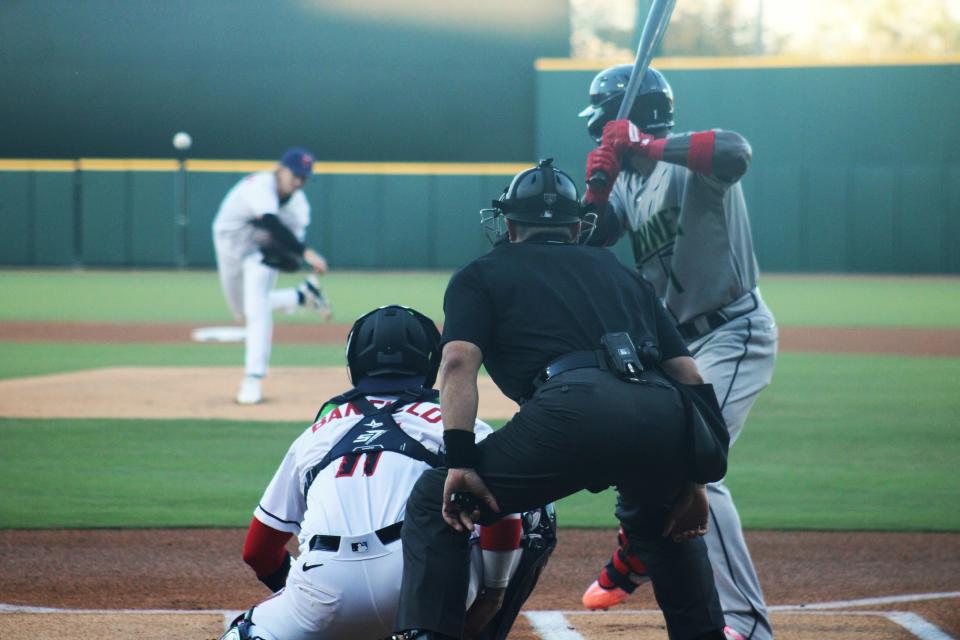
pixel 525 304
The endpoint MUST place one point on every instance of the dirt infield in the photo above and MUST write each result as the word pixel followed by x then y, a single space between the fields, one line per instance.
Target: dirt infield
pixel 907 341
pixel 196 570
pixel 290 393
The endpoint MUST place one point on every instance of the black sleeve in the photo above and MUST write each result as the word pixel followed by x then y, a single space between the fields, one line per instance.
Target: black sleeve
pixel 608 229
pixel 668 338
pixel 281 237
pixel 467 309
pixel 731 153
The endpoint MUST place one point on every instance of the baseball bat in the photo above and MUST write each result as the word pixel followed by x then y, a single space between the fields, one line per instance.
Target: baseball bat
pixel 650 37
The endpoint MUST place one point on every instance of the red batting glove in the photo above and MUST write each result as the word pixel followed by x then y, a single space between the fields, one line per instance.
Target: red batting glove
pixel 625 137
pixel 603 158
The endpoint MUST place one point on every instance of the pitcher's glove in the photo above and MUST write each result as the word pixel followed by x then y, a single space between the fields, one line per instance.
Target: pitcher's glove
pixel 279 258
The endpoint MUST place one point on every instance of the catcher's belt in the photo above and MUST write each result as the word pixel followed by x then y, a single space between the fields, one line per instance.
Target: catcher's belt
pixel 388 534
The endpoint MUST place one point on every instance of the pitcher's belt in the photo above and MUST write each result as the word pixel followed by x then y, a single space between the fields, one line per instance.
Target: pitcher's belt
pixel 387 535
pixel 704 324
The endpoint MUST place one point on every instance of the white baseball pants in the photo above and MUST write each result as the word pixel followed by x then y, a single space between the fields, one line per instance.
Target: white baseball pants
pixel 248 288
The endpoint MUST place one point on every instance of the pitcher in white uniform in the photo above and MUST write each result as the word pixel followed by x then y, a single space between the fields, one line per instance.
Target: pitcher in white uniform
pixel 342 489
pixel 680 202
pixel 257 232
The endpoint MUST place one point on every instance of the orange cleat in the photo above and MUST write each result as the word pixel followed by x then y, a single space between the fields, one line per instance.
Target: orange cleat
pixel 596 597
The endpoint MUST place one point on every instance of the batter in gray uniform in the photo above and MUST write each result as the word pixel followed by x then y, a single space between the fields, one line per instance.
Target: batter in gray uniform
pixel 680 201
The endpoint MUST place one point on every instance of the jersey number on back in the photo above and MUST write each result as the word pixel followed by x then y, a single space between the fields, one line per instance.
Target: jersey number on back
pixel 348 464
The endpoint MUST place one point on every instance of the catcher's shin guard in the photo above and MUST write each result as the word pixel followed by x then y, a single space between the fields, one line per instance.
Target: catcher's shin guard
pixel 239 629
pixel 539 541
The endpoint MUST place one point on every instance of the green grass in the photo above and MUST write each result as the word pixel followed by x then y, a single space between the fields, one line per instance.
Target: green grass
pixel 837 442
pixel 845 443
pixel 136 473
pixel 194 296
pixel 857 442
pixel 863 301
pixel 851 442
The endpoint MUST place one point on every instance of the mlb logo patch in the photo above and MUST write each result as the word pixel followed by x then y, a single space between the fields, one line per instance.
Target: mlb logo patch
pixel 358 547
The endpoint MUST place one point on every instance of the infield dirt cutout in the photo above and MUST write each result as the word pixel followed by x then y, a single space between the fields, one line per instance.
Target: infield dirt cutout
pixel 183 583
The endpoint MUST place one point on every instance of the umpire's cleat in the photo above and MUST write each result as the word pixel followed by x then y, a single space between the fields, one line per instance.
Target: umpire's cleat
pixel 250 391
pixel 596 597
pixel 311 295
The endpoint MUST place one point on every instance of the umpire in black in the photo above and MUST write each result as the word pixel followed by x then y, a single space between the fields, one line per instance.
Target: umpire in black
pixel 542 312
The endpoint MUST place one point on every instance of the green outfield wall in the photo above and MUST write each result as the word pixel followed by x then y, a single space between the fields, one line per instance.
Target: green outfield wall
pixel 856 168
pixel 153 213
pixel 363 80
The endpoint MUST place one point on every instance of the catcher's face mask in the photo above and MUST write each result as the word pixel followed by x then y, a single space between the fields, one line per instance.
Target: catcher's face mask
pixel 495 226
pixel 542 196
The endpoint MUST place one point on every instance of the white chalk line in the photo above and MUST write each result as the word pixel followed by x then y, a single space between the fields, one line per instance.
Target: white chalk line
pixel 917 625
pixel 866 602
pixel 553 625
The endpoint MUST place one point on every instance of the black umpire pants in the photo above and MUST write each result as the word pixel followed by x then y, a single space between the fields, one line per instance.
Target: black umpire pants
pixel 583 429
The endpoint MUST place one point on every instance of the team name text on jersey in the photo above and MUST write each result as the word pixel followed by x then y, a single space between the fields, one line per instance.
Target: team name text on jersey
pixel 431 414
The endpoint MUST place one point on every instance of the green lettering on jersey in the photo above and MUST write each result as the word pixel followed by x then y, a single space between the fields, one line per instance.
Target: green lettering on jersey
pixel 655 237
pixel 659 231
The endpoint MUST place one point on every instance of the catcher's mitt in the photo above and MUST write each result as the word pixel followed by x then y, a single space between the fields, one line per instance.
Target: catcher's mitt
pixel 285 261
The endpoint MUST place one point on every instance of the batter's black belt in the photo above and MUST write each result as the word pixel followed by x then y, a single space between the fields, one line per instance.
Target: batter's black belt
pixel 387 535
pixel 704 324
pixel 569 362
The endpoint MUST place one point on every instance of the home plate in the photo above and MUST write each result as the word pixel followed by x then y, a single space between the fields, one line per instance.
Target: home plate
pixel 219 334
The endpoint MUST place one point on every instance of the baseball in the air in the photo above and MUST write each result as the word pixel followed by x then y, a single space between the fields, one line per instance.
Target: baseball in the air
pixel 182 141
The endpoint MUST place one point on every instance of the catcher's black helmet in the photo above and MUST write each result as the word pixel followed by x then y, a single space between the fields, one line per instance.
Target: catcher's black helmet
pixel 393 341
pixel 652 109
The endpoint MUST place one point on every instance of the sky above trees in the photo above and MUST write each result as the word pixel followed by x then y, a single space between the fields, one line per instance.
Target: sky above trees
pixel 607 29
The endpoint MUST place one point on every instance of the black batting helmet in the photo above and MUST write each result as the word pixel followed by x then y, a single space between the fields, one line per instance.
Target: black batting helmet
pixel 541 195
pixel 652 109
pixel 393 341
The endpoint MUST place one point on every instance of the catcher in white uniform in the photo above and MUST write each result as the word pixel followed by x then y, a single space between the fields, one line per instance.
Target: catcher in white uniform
pixel 342 488
pixel 680 202
pixel 257 233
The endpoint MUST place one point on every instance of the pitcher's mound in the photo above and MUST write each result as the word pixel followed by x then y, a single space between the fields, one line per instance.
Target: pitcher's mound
pixel 290 394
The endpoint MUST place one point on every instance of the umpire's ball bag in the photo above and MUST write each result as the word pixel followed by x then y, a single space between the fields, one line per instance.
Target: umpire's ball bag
pixel 707 432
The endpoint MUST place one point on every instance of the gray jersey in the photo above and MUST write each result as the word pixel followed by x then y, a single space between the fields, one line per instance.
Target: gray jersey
pixel 690 232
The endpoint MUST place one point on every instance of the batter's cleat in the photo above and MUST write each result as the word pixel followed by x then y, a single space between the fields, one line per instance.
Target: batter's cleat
pixel 250 391
pixel 596 597
pixel 312 296
pixel 419 634
pixel 730 634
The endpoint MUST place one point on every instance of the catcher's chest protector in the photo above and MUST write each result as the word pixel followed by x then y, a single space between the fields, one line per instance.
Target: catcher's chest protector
pixel 376 432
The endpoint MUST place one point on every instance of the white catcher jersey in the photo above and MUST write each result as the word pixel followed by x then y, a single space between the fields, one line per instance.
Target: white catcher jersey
pixel 690 235
pixel 252 197
pixel 349 502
